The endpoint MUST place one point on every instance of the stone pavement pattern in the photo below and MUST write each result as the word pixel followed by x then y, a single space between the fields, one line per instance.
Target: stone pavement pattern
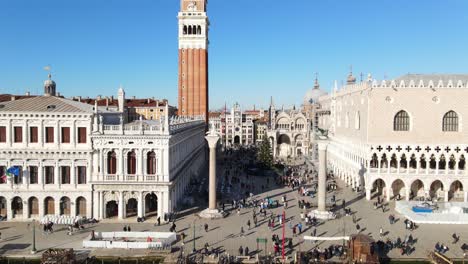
pixel 224 234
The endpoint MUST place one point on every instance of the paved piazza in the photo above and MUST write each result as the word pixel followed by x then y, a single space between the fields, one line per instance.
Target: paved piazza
pixel 224 234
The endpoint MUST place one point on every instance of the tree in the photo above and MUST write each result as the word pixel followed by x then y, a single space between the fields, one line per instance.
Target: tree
pixel 264 155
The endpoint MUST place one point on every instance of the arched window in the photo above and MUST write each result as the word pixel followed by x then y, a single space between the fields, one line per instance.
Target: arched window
pixel 401 122
pixel 450 122
pixel 111 162
pixel 131 162
pixel 151 163
pixel 185 30
pixel 357 121
pixel 190 30
pixel 199 30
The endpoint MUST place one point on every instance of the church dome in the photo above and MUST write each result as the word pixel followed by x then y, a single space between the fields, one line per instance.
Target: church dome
pixel 49 86
pixel 313 95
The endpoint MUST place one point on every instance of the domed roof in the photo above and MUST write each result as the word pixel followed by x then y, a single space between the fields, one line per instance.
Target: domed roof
pixel 313 95
pixel 49 86
pixel 49 82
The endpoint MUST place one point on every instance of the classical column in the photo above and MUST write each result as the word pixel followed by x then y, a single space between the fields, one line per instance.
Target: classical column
pixel 73 174
pixel 322 176
pixel 57 174
pixel 40 174
pixel 9 209
pixel 140 204
pixel 102 206
pixel 121 205
pixel 465 198
pixel 73 131
pixel 407 193
pixel 101 155
pixel 446 196
pixel 388 190
pixel 212 140
pixel 73 211
pixel 368 194
pixel 25 209
pixel 160 204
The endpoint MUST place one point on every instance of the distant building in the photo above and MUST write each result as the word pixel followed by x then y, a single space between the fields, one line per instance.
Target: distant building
pixel 400 138
pixel 289 132
pixel 236 127
pixel 80 157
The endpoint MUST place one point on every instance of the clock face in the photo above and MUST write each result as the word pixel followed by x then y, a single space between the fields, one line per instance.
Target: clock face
pixel 237 129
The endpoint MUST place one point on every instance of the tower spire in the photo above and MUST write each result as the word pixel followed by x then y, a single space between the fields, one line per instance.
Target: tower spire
pixel 316 83
pixel 351 79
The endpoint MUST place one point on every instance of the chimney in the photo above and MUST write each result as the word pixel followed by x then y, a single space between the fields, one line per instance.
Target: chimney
pixel 13 98
pixel 28 94
pixel 148 100
pixel 111 98
pixel 98 97
pixel 107 101
pixel 79 98
pixel 133 97
pixel 58 94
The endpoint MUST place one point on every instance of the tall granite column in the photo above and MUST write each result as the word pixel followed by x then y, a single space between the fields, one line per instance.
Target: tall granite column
pixel 212 140
pixel 212 212
pixel 322 176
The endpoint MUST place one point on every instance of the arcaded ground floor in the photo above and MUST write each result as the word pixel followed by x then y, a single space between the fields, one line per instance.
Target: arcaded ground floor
pixel 224 234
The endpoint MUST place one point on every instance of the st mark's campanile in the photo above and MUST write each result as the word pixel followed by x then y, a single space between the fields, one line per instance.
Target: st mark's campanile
pixel 193 58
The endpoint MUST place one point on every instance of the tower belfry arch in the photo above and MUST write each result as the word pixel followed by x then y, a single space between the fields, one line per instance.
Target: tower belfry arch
pixel 193 58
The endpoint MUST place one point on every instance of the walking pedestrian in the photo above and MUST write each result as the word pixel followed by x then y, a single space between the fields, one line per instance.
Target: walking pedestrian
pixel 255 221
pixel 241 251
pixel 381 232
pixel 242 231
pixel 248 224
pixel 299 226
pixel 314 232
pixel 206 227
pixel 159 220
pixel 455 238
pixel 358 228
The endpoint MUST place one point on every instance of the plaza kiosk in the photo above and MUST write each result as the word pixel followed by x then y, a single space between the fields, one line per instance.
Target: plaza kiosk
pixel 360 250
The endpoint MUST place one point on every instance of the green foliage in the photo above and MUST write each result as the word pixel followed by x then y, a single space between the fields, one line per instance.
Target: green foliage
pixel 264 155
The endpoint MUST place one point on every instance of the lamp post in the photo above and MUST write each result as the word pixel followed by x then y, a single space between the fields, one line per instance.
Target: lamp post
pixel 33 250
pixel 194 249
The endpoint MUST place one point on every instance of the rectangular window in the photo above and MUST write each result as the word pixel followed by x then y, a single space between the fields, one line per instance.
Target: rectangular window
pixel 33 138
pixel 81 172
pixel 82 135
pixel 3 177
pixel 65 174
pixel 65 135
pixel 18 179
pixel 2 134
pixel 49 134
pixel 18 134
pixel 33 175
pixel 49 174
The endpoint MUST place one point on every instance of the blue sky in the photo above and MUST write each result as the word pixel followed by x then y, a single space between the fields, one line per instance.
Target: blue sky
pixel 258 48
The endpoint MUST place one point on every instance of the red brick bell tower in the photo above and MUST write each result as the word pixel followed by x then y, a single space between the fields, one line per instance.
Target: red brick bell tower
pixel 193 58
